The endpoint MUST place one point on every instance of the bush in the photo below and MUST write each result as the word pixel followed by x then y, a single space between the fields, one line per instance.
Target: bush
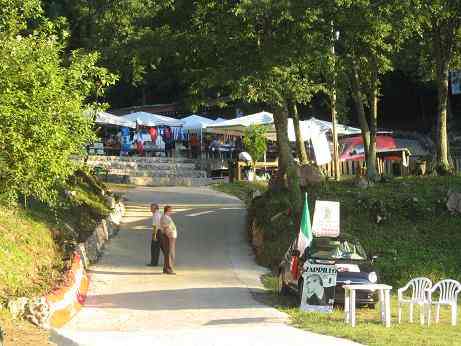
pixel 272 213
pixel 42 113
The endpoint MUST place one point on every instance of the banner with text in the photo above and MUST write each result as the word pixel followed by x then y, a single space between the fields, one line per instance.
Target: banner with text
pixel 326 219
pixel 319 288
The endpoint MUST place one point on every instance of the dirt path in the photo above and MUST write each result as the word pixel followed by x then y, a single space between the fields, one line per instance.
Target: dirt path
pixel 210 302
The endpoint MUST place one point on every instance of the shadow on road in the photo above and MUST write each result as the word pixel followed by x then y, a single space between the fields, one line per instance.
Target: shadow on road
pixel 104 272
pixel 61 340
pixel 179 299
pixel 240 321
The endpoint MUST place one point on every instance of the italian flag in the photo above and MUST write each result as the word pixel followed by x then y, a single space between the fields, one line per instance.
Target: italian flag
pixel 305 231
pixel 304 237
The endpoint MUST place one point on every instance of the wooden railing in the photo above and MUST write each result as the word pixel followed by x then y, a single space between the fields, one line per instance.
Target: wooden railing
pixel 384 167
pixel 354 168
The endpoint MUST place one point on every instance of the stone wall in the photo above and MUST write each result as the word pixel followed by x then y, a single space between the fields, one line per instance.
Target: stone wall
pixel 58 307
pixel 93 247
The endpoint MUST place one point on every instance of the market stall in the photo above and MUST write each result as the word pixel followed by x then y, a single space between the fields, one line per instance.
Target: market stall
pixel 193 128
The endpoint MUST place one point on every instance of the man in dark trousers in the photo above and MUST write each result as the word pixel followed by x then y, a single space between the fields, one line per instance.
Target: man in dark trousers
pixel 155 244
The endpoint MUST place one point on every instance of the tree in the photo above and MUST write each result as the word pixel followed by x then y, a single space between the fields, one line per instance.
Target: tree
pixel 133 38
pixel 438 23
pixel 254 139
pixel 43 105
pixel 300 146
pixel 259 52
pixel 369 36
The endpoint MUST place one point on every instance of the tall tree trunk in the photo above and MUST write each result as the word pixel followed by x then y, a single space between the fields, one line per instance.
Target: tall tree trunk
pixel 300 147
pixel 285 159
pixel 371 160
pixel 443 165
pixel 358 101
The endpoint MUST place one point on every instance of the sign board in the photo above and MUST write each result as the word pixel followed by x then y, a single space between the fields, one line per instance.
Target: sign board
pixel 321 149
pixel 326 219
pixel 319 283
pixel 455 77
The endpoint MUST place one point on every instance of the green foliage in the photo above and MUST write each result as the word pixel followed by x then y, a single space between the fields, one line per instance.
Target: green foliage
pixel 255 142
pixel 15 14
pixel 42 114
pixel 30 262
pixel 275 214
pixel 404 221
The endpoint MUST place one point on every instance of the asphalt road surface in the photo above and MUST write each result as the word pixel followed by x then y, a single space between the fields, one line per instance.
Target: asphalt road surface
pixel 213 299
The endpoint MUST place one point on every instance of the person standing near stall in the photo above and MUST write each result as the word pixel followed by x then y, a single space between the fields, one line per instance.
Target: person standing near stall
pixel 169 239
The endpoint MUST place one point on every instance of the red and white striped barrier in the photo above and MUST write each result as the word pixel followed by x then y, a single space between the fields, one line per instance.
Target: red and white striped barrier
pixel 66 301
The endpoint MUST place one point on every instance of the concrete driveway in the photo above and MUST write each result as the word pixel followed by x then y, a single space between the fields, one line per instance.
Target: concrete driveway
pixel 213 299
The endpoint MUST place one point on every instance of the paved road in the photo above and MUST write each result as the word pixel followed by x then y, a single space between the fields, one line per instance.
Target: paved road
pixel 212 300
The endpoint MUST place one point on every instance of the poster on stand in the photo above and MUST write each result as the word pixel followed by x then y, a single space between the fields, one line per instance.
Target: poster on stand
pixel 326 219
pixel 319 283
pixel 321 149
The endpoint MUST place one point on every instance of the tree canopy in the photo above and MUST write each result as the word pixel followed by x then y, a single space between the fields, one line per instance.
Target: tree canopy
pixel 46 98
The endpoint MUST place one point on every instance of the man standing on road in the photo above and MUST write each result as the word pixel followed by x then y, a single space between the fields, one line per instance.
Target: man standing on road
pixel 155 243
pixel 169 238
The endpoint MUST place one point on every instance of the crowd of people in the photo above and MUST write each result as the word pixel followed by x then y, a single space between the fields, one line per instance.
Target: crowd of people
pixel 149 141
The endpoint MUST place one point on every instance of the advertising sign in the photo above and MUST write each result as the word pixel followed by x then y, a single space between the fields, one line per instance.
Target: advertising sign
pixel 326 219
pixel 319 288
pixel 321 149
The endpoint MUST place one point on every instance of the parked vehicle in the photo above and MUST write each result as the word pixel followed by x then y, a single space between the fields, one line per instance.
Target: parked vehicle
pixel 352 262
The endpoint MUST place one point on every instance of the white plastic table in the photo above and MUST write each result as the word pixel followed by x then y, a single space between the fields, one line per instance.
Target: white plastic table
pixel 384 301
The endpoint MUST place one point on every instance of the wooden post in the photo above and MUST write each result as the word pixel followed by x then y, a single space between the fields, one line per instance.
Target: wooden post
pixel 239 176
pixel 337 173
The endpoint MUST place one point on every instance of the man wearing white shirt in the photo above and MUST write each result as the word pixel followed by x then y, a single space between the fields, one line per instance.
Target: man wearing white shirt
pixel 155 243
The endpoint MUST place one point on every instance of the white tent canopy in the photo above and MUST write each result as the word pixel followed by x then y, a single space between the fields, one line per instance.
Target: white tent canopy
pixel 110 119
pixel 149 119
pixel 196 122
pixel 238 125
pixel 308 128
pixel 326 126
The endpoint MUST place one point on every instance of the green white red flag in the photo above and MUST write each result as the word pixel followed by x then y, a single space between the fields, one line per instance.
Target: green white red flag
pixel 304 239
pixel 305 229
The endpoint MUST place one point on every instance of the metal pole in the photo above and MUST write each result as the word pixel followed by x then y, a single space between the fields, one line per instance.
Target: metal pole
pixel 333 110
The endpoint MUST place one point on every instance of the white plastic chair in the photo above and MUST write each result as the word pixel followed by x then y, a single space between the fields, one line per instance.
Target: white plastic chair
pixel 448 295
pixel 419 287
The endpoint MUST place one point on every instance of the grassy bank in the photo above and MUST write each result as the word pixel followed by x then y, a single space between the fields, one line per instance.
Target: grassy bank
pixel 30 261
pixel 242 190
pixel 31 264
pixel 404 221
pixel 35 247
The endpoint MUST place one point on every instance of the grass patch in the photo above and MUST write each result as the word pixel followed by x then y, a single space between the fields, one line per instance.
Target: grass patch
pixel 240 189
pixel 36 243
pixel 368 329
pixel 404 220
pixel 30 261
pixel 415 235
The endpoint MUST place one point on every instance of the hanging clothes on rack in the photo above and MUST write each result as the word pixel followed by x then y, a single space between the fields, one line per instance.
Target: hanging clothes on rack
pixel 153 134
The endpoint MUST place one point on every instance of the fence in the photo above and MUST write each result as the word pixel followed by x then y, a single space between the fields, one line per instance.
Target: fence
pixel 384 167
